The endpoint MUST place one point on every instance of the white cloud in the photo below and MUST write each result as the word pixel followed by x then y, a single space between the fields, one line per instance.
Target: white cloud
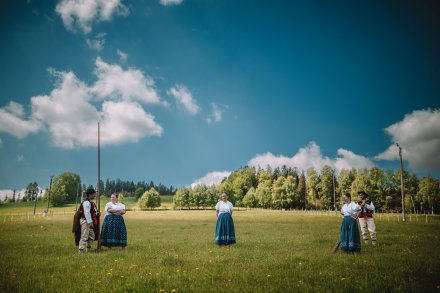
pixel 122 55
pixel 184 98
pixel 20 159
pixel 419 136
pixel 349 160
pixel 211 178
pixel 82 13
pixel 97 43
pixel 72 118
pixel 12 121
pixel 127 122
pixel 311 157
pixel 170 2
pixel 128 85
pixel 217 113
pixel 15 109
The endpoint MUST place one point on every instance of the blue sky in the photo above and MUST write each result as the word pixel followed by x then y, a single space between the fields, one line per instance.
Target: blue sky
pixel 187 91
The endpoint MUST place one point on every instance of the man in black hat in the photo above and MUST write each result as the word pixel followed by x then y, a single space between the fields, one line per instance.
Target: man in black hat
pixel 89 221
pixel 366 220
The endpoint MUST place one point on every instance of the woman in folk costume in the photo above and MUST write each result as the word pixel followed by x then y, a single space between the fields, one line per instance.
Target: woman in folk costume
pixel 114 232
pixel 224 230
pixel 350 238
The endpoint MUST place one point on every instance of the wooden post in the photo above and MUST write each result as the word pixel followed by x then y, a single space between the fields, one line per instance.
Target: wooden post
pixel 99 189
pixel 401 183
pixel 48 195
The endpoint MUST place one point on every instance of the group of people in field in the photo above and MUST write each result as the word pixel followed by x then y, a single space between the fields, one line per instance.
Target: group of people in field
pixel 114 231
pixel 351 211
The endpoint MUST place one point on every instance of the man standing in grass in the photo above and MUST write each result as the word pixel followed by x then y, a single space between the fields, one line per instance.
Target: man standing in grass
pixel 366 220
pixel 88 221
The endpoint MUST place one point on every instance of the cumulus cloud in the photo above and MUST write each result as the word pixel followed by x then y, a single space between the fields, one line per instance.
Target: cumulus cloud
pixel 419 136
pixel 349 160
pixel 311 157
pixel 12 121
pixel 170 2
pixel 184 98
pixel 71 111
pixel 129 85
pixel 122 56
pixel 83 13
pixel 217 113
pixel 211 178
pixel 127 121
pixel 97 43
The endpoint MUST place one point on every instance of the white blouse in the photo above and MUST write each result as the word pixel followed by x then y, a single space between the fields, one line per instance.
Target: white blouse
pixel 118 206
pixel 350 209
pixel 224 207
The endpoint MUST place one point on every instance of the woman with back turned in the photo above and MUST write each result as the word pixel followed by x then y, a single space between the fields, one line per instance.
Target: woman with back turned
pixel 224 230
pixel 350 237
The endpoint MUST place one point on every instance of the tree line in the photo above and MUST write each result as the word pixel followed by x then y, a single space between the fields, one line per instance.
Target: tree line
pixel 68 188
pixel 287 188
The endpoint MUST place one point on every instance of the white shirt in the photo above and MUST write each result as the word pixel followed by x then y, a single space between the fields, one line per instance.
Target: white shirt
pixel 350 209
pixel 117 206
pixel 86 209
pixel 224 207
pixel 370 206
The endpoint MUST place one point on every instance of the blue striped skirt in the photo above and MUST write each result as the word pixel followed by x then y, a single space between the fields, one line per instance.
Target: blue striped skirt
pixel 114 232
pixel 350 237
pixel 224 230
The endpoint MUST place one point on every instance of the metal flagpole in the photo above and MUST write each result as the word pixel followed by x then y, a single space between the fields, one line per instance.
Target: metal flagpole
pixel 99 189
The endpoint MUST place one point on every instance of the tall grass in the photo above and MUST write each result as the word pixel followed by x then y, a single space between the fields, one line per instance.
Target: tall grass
pixel 174 251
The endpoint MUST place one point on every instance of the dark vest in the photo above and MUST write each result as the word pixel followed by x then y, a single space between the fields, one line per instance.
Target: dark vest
pixel 365 213
pixel 93 211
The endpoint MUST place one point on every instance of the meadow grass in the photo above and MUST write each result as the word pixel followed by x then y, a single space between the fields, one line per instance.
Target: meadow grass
pixel 174 251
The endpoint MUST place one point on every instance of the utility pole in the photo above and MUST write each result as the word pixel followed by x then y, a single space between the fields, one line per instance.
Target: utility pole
pixel 401 183
pixel 99 188
pixel 48 196
pixel 334 191
pixel 36 196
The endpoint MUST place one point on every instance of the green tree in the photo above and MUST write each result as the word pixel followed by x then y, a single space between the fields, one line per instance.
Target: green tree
pixel 250 200
pixel 139 192
pixel 391 188
pixel 312 181
pixel 182 198
pixel 279 196
pixel 58 194
pixel 199 195
pixel 428 193
pixel 264 194
pixel 150 199
pixel 302 201
pixel 325 187
pixel 376 179
pixel 226 186
pixel 31 192
pixel 345 180
pixel 360 183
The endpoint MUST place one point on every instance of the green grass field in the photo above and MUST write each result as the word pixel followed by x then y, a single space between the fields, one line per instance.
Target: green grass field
pixel 174 251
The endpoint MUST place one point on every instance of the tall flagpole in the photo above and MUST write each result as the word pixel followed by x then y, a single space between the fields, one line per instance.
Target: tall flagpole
pixel 99 189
